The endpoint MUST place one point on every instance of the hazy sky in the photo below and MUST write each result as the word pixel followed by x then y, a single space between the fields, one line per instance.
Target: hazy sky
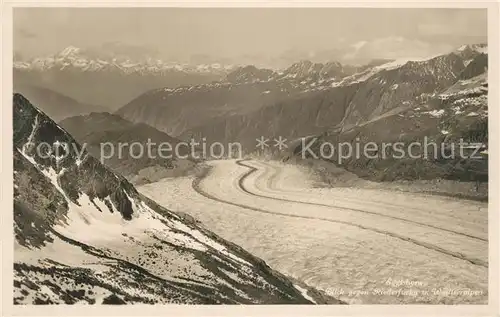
pixel 237 31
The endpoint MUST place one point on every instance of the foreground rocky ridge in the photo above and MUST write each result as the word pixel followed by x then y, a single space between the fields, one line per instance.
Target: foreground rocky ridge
pixel 85 235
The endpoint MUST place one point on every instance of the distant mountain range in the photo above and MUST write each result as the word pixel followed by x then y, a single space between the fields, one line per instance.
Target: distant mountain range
pixel 244 90
pixel 303 99
pixel 108 80
pixel 249 89
pixel 74 58
pixel 84 235
pixel 312 99
pixel 56 105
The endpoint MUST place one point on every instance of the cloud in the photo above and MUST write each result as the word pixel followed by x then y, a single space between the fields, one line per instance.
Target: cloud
pixel 434 29
pixel 394 47
pixel 234 32
pixel 25 34
pixel 359 45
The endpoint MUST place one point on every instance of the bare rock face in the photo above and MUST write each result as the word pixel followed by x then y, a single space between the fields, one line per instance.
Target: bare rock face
pixel 455 119
pixel 476 66
pixel 57 154
pixel 85 235
pixel 249 74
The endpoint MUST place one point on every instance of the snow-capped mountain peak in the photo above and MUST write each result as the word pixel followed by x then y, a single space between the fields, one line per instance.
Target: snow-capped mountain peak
pixel 78 59
pixel 70 51
pixel 480 48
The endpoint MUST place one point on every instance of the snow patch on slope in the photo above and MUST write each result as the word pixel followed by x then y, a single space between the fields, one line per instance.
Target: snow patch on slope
pixel 303 291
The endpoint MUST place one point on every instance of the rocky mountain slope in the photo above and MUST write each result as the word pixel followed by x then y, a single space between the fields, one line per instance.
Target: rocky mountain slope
pixel 54 104
pixel 359 93
pixel 244 91
pixel 108 80
pixel 314 99
pixel 454 116
pixel 84 235
pixel 103 134
pixel 455 120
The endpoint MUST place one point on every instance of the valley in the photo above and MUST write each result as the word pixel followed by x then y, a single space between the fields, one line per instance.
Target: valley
pixel 332 240
pixel 84 235
pixel 102 218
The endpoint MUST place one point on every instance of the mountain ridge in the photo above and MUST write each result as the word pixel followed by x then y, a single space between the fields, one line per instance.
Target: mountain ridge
pixel 85 235
pixel 56 105
pixel 80 59
pixel 302 81
pixel 110 81
pixel 336 109
pixel 96 129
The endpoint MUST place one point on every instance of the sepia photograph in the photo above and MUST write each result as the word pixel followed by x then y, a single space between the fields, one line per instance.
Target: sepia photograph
pixel 249 156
